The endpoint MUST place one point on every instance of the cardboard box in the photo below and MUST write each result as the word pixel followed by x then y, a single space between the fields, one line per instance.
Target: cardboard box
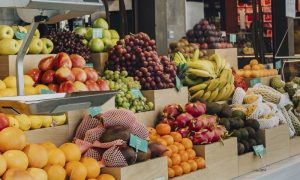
pixel 8 63
pixel 250 162
pixel 196 175
pixel 229 54
pixel 99 60
pixel 148 170
pixel 263 80
pixel 295 146
pixel 221 159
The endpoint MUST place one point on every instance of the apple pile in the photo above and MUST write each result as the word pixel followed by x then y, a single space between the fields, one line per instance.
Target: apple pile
pixel 11 40
pixel 207 36
pixel 193 123
pixel 187 49
pixel 137 55
pixel 96 44
pixel 64 73
pixel 126 98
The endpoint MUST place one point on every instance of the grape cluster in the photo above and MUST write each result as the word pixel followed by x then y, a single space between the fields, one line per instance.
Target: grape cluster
pixel 125 99
pixel 69 42
pixel 137 55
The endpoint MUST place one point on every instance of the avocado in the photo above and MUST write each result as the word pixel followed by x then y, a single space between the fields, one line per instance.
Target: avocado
pixel 252 143
pixel 225 122
pixel 252 123
pixel 241 123
pixel 114 133
pixel 213 108
pixel 258 138
pixel 246 145
pixel 251 132
pixel 239 114
pixel 234 124
pixel 244 134
pixel 237 133
pixel 226 111
pixel 241 148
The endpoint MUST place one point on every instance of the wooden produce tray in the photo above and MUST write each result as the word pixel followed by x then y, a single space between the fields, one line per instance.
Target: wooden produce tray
pixel 196 175
pixel 229 54
pixel 263 80
pixel 250 162
pixel 295 146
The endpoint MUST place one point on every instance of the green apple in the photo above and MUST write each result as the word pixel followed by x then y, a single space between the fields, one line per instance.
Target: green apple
pixel 6 32
pixel 85 42
pixel 100 23
pixel 35 46
pixel 106 34
pixel 9 46
pixel 36 33
pixel 107 43
pixel 114 34
pixel 114 42
pixel 96 45
pixel 80 30
pixel 47 46
pixel 89 33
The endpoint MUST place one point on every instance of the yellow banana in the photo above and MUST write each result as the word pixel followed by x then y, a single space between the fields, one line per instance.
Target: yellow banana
pixel 206 95
pixel 196 55
pixel 200 73
pixel 222 84
pixel 202 65
pixel 230 91
pixel 224 75
pixel 222 93
pixel 198 87
pixel 190 82
pixel 197 95
pixel 213 95
pixel 183 59
pixel 218 60
pixel 213 84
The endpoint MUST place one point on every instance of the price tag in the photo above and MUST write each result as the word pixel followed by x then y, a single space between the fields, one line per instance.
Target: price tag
pixel 136 93
pixel 223 33
pixel 254 81
pixel 95 111
pixel 138 143
pixel 97 32
pixel 89 65
pixel 232 38
pixel 278 65
pixel 20 35
pixel 46 91
pixel 259 150
pixel 178 83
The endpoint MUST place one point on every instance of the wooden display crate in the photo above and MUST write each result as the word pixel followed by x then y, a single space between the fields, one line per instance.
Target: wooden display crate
pixel 8 63
pixel 221 159
pixel 163 97
pixel 99 60
pixel 148 118
pixel 250 162
pixel 295 146
pixel 229 54
pixel 196 175
pixel 263 80
pixel 148 170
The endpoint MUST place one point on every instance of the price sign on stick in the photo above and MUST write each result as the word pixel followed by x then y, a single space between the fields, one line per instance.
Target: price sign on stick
pixel 259 150
pixel 93 111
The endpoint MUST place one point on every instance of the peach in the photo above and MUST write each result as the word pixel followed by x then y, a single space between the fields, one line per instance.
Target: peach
pixel 62 60
pixel 53 87
pixel 35 74
pixel 92 85
pixel 103 85
pixel 79 86
pixel 80 74
pixel 46 63
pixel 91 73
pixel 64 74
pixel 48 77
pixel 67 87
pixel 77 61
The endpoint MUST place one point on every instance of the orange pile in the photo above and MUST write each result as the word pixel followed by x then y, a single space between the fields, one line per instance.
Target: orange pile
pixel 254 69
pixel 181 156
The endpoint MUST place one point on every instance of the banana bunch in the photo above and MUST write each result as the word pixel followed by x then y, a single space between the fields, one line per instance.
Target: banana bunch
pixel 210 80
pixel 179 59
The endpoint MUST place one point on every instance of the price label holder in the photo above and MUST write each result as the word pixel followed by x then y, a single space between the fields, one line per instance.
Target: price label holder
pixel 278 65
pixel 178 83
pixel 20 35
pixel 136 93
pixel 254 81
pixel 46 91
pixel 97 32
pixel 138 143
pixel 232 38
pixel 93 111
pixel 89 65
pixel 259 150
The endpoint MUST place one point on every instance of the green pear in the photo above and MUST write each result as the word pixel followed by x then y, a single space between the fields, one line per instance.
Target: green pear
pixel 9 46
pixel 47 46
pixel 106 34
pixel 35 46
pixel 6 32
pixel 100 23
pixel 96 45
pixel 89 33
pixel 80 30
pixel 114 34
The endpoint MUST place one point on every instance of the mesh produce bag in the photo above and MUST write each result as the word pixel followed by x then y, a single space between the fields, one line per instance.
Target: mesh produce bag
pixel 269 94
pixel 238 96
pixel 289 122
pixel 295 122
pixel 94 134
pixel 281 117
pixel 268 123
pixel 86 124
pixel 114 158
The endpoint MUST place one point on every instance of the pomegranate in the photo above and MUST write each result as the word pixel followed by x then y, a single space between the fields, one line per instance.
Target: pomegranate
pixel 172 111
pixel 185 132
pixel 195 109
pixel 183 120
pixel 202 137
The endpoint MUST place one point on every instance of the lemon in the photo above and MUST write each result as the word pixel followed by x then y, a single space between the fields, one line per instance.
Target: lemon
pixel 2 85
pixel 39 88
pixel 36 122
pixel 8 92
pixel 59 120
pixel 24 122
pixel 10 81
pixel 46 121
pixel 29 90
pixel 13 122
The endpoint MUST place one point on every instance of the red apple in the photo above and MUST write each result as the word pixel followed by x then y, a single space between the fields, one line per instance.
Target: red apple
pixel 46 63
pixel 67 87
pixel 35 74
pixel 62 60
pixel 91 73
pixel 48 77
pixel 64 74
pixel 79 86
pixel 92 85
pixel 77 61
pixel 4 122
pixel 103 85
pixel 53 87
pixel 80 74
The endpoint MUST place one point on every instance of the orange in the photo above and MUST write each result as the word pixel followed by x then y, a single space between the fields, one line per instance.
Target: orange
pixel 161 141
pixel 176 136
pixel 253 62
pixel 171 173
pixel 255 73
pixel 170 163
pixel 151 130
pixel 247 67
pixel 174 148
pixel 247 73
pixel 186 167
pixel 163 129
pixel 178 170
pixel 200 162
pixel 153 137
pixel 193 165
pixel 187 143
pixel 176 159
pixel 261 66
pixel 179 145
pixel 255 67
pixel 169 139
pixel 183 155
pixel 191 153
pixel 168 152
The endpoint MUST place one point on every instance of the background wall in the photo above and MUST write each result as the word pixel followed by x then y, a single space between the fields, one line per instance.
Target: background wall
pixel 8 16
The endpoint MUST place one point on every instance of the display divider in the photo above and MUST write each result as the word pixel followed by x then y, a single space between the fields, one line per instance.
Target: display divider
pixel 99 60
